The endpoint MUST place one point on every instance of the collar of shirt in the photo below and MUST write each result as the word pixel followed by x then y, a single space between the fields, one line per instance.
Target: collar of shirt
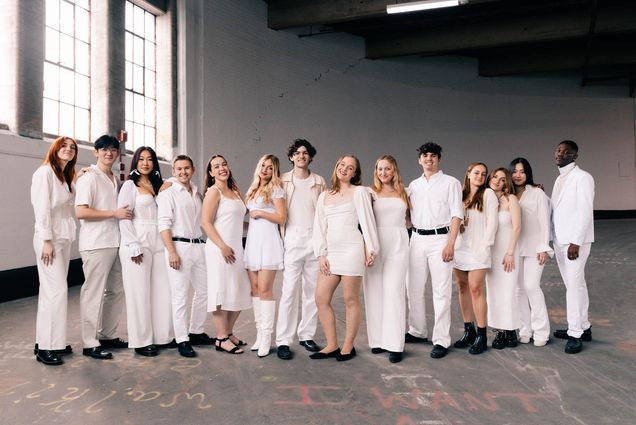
pixel 435 176
pixel 565 170
pixel 180 187
pixel 99 172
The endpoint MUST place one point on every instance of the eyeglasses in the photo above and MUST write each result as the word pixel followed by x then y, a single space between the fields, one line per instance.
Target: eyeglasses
pixel 109 150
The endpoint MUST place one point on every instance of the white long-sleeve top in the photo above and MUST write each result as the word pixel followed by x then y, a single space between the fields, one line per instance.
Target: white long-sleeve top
pixel 134 233
pixel 482 228
pixel 52 205
pixel 535 222
pixel 180 211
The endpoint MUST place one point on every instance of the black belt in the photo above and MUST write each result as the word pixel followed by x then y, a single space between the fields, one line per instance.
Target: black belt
pixel 425 232
pixel 179 239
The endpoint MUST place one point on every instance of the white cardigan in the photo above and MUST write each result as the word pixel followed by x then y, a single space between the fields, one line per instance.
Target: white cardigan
pixel 535 222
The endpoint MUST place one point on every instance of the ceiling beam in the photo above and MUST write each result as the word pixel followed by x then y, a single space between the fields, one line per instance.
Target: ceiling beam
pixel 298 13
pixel 614 18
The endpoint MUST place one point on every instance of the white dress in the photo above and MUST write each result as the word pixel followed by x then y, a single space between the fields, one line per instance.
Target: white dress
pixel 336 233
pixel 385 282
pixel 228 284
pixel 501 285
pixel 264 246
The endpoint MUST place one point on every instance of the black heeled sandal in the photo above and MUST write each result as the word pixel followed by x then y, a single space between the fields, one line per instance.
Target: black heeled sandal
pixel 239 343
pixel 219 347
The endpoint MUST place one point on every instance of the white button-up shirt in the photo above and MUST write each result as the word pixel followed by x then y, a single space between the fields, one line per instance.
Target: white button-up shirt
pixel 97 190
pixel 180 211
pixel 435 201
pixel 53 206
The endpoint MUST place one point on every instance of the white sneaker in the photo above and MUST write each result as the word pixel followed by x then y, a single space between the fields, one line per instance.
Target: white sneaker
pixel 524 339
pixel 538 343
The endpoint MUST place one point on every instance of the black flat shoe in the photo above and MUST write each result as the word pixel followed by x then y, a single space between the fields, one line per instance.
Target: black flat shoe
pixel 283 352
pixel 310 345
pixel 114 343
pixel 171 344
pixel 395 356
pixel 346 357
pixel 48 357
pixel 320 355
pixel 378 350
pixel 185 349
pixel 67 350
pixel 201 339
pixel 97 353
pixel 574 345
pixel 563 334
pixel 438 351
pixel 148 351
pixel 412 339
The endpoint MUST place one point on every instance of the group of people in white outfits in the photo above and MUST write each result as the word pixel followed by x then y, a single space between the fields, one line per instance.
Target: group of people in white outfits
pixel 146 240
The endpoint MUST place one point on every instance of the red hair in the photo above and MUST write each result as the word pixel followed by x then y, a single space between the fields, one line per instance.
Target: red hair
pixel 66 174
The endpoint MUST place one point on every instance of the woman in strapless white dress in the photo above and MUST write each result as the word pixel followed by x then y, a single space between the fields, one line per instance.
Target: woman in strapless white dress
pixel 228 285
pixel 501 279
pixel 385 282
pixel 343 252
pixel 264 247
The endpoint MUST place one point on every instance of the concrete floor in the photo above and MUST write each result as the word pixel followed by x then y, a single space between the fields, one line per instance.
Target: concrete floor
pixel 523 385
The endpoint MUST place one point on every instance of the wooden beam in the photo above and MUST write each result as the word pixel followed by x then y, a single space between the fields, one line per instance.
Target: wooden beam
pixel 503 32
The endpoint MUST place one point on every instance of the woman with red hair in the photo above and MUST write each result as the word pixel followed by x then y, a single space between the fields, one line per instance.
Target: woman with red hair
pixel 52 196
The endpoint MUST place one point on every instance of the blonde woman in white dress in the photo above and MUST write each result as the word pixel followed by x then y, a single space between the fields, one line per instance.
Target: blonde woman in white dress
pixel 385 282
pixel 343 252
pixel 534 251
pixel 52 196
pixel 228 284
pixel 473 257
pixel 501 279
pixel 264 247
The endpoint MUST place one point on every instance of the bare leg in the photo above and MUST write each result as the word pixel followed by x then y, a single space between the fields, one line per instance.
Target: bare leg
pixel 351 290
pixel 325 287
pixel 253 282
pixel 265 284
pixel 231 320
pixel 465 302
pixel 476 282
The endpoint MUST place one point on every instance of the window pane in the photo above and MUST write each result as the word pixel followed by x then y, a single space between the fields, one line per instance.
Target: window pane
pixel 67 86
pixel 82 91
pixel 83 3
pixel 139 109
pixel 129 76
pixel 53 13
pixel 129 106
pixel 139 21
pixel 82 58
pixel 150 137
pixel 139 136
pixel 128 128
pixel 150 84
pixel 66 18
pixel 138 51
pixel 150 27
pixel 67 51
pixel 81 124
pixel 51 81
pixel 67 120
pixel 50 114
pixel 150 55
pixel 82 29
pixel 129 47
pixel 150 112
pixel 52 45
pixel 138 79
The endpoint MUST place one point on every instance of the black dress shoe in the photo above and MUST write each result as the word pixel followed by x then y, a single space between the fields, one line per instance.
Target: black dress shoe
pixel 284 353
pixel 114 343
pixel 185 349
pixel 511 339
pixel 67 350
pixel 438 351
pixel 574 345
pixel 310 345
pixel 346 357
pixel 499 343
pixel 412 339
pixel 148 351
pixel 378 350
pixel 97 353
pixel 480 345
pixel 48 357
pixel 201 339
pixel 395 356
pixel 563 334
pixel 468 338
pixel 319 355
pixel 171 344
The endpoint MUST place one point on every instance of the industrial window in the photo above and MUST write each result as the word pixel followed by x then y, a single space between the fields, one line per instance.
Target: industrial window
pixel 141 77
pixel 66 97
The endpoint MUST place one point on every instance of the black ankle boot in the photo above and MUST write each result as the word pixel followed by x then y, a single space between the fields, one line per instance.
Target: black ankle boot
pixel 511 338
pixel 468 338
pixel 481 342
pixel 500 341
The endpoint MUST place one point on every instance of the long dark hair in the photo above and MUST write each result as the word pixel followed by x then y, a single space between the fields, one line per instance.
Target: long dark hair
pixel 477 201
pixel 66 175
pixel 155 175
pixel 209 178
pixel 527 169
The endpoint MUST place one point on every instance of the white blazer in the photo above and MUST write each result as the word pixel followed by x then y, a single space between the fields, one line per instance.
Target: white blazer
pixel 573 211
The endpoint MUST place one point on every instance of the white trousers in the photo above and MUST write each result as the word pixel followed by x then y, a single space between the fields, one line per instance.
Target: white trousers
pixel 148 300
pixel 533 313
pixel 102 295
pixel 301 272
pixel 385 291
pixel 192 272
pixel 425 256
pixel 50 327
pixel 573 275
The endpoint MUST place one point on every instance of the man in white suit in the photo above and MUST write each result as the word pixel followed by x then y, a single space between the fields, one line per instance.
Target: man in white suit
pixel 573 234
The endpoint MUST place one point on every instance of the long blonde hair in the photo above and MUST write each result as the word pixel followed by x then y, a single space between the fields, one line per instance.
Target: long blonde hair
pixel 266 191
pixel 397 184
pixel 356 180
pixel 509 186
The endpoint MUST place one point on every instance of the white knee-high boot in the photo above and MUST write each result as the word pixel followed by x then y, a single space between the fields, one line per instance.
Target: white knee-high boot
pixel 268 311
pixel 256 305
